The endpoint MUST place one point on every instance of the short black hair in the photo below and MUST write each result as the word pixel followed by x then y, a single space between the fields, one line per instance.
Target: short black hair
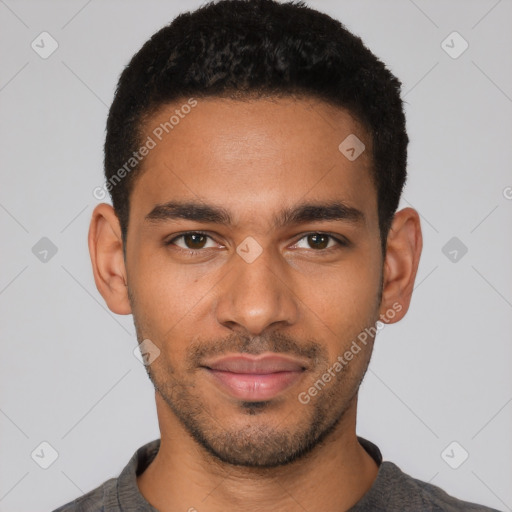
pixel 243 48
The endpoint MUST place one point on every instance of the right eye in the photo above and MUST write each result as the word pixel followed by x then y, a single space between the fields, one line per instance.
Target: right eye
pixel 192 241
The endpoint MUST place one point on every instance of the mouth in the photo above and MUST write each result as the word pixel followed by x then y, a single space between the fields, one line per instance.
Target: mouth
pixel 255 378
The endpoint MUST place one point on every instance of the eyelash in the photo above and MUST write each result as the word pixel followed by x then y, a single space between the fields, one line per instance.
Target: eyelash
pixel 193 252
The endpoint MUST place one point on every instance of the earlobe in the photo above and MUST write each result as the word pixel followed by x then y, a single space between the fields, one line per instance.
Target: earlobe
pixel 106 251
pixel 404 245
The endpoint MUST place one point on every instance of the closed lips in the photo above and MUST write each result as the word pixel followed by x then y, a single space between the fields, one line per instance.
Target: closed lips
pixel 259 366
pixel 254 378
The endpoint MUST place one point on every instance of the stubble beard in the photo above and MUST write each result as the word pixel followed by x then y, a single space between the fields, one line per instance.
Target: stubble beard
pixel 257 444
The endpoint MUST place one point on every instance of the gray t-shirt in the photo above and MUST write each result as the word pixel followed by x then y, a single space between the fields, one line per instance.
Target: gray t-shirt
pixel 392 490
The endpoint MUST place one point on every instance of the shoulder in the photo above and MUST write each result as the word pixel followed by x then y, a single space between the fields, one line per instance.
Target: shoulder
pixel 93 501
pixel 119 493
pixel 395 490
pixel 431 495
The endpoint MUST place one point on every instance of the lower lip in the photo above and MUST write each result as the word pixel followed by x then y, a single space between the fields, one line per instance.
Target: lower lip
pixel 255 387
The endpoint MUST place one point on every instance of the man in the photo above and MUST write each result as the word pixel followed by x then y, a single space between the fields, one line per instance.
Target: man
pixel 255 156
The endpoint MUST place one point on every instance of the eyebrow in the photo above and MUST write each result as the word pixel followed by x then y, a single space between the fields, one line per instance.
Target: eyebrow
pixel 299 214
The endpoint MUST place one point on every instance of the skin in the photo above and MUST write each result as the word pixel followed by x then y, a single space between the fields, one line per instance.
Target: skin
pixel 301 296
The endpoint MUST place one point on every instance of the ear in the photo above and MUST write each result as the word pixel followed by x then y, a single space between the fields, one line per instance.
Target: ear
pixel 106 250
pixel 403 253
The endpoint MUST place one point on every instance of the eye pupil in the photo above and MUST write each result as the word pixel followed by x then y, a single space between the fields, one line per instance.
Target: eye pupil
pixel 316 238
pixel 194 238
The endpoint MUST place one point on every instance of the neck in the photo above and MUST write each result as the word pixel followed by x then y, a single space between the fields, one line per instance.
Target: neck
pixel 183 476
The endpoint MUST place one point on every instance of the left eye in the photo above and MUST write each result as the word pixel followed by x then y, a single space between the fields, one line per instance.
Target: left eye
pixel 320 241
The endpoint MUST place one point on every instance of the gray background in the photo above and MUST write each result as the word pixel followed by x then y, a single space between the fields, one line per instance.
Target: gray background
pixel 68 373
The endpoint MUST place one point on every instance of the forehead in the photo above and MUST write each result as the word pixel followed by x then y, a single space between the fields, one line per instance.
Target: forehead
pixel 254 155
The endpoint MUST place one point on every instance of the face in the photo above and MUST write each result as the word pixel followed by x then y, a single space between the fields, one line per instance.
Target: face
pixel 253 262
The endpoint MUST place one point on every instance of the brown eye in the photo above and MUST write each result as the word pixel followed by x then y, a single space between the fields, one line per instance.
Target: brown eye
pixel 321 242
pixel 194 240
pixel 318 240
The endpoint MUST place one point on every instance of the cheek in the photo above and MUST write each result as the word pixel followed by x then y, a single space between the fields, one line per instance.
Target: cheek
pixel 169 296
pixel 344 298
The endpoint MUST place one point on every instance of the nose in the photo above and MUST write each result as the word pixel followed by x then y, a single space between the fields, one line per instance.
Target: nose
pixel 258 295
